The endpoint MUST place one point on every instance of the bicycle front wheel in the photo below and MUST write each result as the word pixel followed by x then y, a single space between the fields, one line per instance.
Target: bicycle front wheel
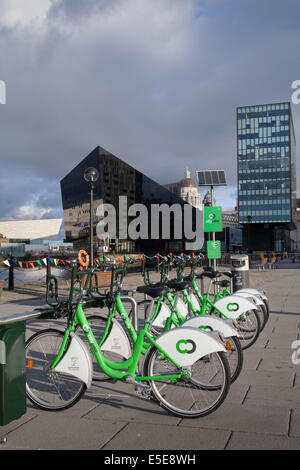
pixel 249 328
pixel 201 394
pixel 45 388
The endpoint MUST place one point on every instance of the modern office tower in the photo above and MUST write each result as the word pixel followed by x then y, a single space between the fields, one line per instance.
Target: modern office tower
pixel 116 178
pixel 266 154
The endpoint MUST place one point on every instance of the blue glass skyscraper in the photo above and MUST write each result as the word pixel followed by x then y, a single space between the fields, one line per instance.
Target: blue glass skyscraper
pixel 266 149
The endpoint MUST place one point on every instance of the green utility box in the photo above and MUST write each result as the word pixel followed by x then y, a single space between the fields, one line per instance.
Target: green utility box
pixel 12 372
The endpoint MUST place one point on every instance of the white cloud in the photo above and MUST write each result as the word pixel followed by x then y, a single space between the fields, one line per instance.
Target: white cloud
pixel 20 13
pixel 31 212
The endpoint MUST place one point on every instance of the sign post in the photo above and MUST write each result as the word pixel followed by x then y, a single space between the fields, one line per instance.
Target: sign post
pixel 212 215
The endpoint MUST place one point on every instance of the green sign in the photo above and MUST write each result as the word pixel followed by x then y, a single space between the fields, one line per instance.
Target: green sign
pixel 212 219
pixel 214 249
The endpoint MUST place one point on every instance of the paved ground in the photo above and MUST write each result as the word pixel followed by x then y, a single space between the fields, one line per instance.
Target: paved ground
pixel 262 410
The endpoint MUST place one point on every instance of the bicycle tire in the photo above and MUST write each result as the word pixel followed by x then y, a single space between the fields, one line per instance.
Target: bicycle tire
pixel 189 394
pixel 234 356
pixel 266 309
pixel 249 334
pixel 49 390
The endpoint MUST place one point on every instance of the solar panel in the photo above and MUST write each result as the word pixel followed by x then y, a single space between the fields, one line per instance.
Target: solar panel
pixel 211 178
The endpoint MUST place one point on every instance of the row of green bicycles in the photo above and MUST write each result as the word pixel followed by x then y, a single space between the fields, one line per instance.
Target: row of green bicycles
pixel 177 345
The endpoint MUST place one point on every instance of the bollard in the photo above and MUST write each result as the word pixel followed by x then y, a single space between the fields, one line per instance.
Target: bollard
pixel 240 267
pixel 12 372
pixel 12 364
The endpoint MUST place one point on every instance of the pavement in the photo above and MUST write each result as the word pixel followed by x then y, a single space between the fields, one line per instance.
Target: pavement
pixel 261 411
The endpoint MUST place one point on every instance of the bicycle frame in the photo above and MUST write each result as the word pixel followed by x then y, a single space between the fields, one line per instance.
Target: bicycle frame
pixel 116 370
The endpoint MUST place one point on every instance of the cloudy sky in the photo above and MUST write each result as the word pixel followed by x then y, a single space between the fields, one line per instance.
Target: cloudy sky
pixel 155 82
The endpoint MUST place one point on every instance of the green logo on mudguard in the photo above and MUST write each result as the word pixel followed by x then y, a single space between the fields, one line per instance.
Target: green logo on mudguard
pixel 186 346
pixel 232 307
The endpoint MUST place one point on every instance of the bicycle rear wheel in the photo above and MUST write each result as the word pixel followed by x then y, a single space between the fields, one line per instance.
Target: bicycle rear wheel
pixel 198 396
pixel 45 388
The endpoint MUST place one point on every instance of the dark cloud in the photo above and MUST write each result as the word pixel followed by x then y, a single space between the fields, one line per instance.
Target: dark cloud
pixel 156 83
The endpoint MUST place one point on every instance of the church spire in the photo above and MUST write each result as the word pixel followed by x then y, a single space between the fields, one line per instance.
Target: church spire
pixel 187 173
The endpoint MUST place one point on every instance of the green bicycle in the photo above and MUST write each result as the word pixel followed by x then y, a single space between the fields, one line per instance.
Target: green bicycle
pixel 179 370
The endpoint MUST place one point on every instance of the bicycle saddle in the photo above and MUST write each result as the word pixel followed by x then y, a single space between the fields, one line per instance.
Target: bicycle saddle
pixel 228 274
pixel 223 283
pixel 153 291
pixel 178 286
pixel 211 275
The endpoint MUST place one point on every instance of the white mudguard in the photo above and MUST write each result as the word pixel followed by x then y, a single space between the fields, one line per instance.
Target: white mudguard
pixel 77 361
pixel 233 306
pixel 117 341
pixel 212 323
pixel 253 292
pixel 187 345
pixel 195 301
pixel 253 298
pixel 182 307
pixel 164 313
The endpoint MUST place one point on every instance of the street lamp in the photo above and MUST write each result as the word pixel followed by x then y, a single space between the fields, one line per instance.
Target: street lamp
pixel 91 175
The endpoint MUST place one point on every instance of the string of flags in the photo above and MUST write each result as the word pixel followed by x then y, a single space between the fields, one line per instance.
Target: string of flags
pixel 36 263
pixel 65 263
pixel 61 262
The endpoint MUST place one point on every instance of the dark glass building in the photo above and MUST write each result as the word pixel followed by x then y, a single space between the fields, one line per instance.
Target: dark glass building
pixel 116 178
pixel 266 152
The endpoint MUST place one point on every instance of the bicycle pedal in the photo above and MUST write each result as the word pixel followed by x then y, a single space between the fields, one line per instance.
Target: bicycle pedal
pixel 143 393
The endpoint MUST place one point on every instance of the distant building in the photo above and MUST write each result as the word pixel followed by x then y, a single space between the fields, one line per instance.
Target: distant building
pixel 187 190
pixel 21 236
pixel 230 219
pixel 266 148
pixel 30 231
pixel 295 235
pixel 207 199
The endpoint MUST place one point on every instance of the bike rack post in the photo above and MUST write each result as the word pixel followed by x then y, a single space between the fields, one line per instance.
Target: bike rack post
pixel 11 283
pixel 48 269
pixel 132 301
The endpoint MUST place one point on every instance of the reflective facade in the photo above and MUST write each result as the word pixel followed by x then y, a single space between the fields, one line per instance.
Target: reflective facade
pixel 117 178
pixel 266 149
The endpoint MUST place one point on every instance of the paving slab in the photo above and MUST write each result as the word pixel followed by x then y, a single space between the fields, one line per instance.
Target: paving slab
pixel 48 432
pixel 246 418
pixel 295 422
pixel 257 441
pixel 268 395
pixel 151 437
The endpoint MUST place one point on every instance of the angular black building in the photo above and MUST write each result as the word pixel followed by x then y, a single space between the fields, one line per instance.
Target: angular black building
pixel 116 178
